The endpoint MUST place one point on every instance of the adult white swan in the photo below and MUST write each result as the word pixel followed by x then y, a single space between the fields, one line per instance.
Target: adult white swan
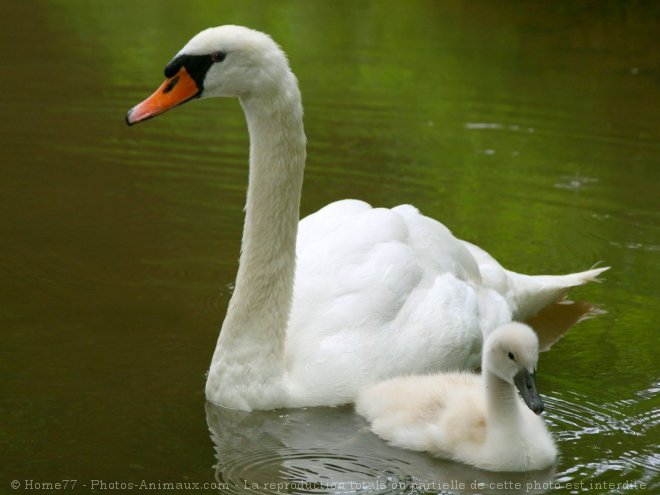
pixel 373 293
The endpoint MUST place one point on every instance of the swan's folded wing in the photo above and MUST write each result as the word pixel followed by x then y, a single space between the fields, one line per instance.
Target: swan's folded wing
pixel 379 292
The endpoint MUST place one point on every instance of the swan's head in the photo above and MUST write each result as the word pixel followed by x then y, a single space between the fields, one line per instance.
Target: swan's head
pixel 221 61
pixel 511 352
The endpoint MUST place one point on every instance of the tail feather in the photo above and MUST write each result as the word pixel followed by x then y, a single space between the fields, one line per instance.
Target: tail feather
pixel 531 294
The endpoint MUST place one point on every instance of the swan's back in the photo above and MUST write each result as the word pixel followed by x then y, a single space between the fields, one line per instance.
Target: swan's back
pixel 379 293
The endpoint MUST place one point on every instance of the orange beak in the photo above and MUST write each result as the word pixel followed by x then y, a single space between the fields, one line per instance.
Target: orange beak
pixel 174 91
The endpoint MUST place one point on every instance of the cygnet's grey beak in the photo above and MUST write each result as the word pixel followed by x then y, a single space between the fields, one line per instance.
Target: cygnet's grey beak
pixel 526 385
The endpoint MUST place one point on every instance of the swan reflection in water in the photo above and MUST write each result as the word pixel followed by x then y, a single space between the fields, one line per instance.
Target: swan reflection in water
pixel 331 450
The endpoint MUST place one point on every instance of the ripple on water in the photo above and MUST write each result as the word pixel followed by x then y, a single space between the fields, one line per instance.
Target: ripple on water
pixel 575 419
pixel 575 416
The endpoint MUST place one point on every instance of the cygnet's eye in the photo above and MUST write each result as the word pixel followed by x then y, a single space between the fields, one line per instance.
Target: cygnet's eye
pixel 218 57
pixel 511 356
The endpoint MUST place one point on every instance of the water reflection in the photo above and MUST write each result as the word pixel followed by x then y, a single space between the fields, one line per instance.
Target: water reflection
pixel 331 450
pixel 553 321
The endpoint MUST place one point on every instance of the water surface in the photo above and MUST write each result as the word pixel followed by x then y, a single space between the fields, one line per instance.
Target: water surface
pixel 529 130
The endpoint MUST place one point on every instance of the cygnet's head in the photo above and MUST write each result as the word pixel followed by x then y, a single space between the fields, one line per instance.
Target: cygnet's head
pixel 221 61
pixel 511 352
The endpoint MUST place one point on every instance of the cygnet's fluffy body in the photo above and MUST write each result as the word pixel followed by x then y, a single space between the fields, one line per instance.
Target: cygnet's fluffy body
pixel 475 419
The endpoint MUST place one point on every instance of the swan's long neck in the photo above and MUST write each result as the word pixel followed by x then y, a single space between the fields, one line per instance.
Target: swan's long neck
pixel 502 405
pixel 248 368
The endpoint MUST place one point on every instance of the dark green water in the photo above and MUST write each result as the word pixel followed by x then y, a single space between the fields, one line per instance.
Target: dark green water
pixel 529 129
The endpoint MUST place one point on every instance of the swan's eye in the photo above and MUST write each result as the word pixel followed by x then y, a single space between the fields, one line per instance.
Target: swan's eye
pixel 218 56
pixel 511 356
